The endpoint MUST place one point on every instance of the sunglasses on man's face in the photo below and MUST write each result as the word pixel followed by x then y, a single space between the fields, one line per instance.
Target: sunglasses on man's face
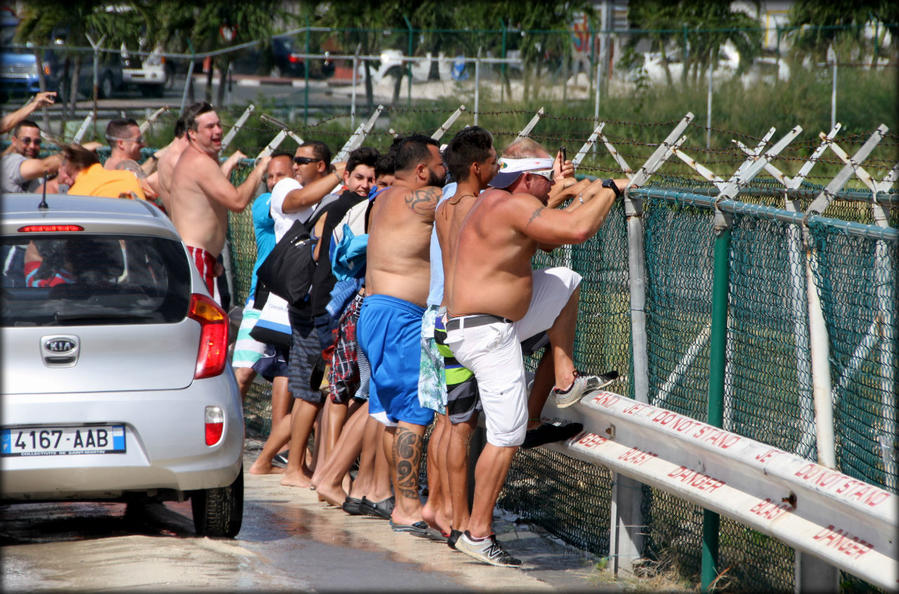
pixel 29 140
pixel 304 160
pixel 547 173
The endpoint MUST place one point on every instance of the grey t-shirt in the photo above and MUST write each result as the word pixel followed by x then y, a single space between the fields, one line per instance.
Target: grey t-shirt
pixel 11 180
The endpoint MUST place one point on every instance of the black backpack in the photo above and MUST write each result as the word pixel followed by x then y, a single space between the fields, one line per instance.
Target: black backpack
pixel 288 270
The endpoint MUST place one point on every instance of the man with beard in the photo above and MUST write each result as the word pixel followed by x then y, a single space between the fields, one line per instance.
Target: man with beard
pixel 201 194
pixel 397 283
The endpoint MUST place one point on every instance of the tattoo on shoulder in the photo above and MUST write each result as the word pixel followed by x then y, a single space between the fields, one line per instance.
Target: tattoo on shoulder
pixel 536 214
pixel 423 199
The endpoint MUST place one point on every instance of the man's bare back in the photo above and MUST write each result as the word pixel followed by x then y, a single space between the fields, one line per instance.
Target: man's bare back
pixel 448 220
pixel 165 169
pixel 398 256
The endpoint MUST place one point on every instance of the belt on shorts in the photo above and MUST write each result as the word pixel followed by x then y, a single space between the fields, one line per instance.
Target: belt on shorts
pixel 473 321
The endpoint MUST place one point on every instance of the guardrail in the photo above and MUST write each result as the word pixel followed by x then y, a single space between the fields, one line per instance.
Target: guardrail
pixel 841 520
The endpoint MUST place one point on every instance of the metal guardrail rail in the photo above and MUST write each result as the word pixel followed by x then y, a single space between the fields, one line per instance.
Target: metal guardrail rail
pixel 841 520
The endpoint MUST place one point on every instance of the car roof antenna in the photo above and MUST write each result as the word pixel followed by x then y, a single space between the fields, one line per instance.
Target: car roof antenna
pixel 43 205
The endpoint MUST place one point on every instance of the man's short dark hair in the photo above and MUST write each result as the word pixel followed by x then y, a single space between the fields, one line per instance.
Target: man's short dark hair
pixel 364 155
pixel 180 127
pixel 412 150
pixel 118 129
pixel 24 124
pixel 385 165
pixel 79 156
pixel 469 145
pixel 193 111
pixel 320 150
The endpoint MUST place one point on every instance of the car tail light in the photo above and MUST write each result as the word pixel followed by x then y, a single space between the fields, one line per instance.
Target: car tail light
pixel 215 424
pixel 294 59
pixel 49 228
pixel 213 350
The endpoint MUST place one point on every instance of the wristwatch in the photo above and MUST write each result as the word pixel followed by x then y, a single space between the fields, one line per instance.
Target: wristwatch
pixel 610 183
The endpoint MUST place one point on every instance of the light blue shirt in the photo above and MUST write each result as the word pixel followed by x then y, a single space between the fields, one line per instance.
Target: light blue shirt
pixel 264 228
pixel 435 296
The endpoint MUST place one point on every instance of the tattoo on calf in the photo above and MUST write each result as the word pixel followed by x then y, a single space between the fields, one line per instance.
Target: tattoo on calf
pixel 536 214
pixel 407 453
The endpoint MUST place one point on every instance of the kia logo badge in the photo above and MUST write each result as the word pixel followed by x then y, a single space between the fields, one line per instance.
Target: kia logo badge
pixel 60 345
pixel 60 350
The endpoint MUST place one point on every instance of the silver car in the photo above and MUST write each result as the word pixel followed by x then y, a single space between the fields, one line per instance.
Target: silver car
pixel 116 380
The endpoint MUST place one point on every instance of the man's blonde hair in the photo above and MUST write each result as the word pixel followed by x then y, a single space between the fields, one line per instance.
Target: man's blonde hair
pixel 525 148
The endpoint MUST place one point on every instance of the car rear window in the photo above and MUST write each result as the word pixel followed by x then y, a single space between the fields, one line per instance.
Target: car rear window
pixel 93 280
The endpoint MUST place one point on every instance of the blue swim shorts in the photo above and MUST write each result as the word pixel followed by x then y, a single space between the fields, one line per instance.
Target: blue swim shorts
pixel 389 333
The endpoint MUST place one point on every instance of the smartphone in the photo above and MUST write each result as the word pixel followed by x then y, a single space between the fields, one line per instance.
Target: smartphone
pixel 564 153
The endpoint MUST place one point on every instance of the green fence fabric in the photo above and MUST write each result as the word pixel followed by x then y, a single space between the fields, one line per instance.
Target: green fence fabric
pixel 856 276
pixel 768 383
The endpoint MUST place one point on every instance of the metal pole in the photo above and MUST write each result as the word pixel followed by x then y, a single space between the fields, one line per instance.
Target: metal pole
pixel 832 55
pixel 190 77
pixel 717 363
pixel 708 119
pixel 502 84
pixel 409 64
pixel 477 85
pixel 306 77
pixel 353 98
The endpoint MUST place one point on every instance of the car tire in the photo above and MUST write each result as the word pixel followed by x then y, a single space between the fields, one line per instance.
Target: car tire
pixel 218 513
pixel 106 87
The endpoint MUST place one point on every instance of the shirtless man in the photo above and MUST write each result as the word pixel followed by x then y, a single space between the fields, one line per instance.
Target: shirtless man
pixel 495 299
pixel 202 195
pixel 167 158
pixel 389 327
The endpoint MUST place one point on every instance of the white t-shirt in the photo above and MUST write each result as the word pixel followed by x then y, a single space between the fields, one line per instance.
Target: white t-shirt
pixel 283 221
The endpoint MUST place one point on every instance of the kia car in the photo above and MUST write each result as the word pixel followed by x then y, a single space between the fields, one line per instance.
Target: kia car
pixel 116 381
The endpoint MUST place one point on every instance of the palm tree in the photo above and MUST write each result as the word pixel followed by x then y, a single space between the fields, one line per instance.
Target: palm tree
pixel 815 26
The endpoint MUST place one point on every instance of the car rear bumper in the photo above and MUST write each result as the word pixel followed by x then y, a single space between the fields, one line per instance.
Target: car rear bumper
pixel 164 442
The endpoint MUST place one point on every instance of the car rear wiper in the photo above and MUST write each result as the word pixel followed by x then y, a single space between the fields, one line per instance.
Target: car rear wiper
pixel 97 316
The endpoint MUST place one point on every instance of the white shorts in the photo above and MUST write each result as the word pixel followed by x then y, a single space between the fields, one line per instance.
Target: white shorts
pixel 493 353
pixel 247 350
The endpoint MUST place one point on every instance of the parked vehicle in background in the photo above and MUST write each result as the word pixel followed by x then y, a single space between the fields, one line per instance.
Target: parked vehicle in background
pixel 284 60
pixel 116 380
pixel 19 70
pixel 149 73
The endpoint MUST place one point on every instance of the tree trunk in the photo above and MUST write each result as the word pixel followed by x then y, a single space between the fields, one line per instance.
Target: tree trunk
pixel 397 85
pixel 223 81
pixel 42 81
pixel 208 93
pixel 369 89
pixel 73 92
pixel 668 76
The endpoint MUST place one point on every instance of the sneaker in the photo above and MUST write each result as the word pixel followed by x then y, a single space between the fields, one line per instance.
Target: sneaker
pixel 487 550
pixel 581 385
pixel 452 538
pixel 548 433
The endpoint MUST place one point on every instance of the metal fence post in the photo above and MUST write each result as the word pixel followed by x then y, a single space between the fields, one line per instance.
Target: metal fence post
pixel 832 57
pixel 477 85
pixel 306 76
pixel 708 117
pixel 717 362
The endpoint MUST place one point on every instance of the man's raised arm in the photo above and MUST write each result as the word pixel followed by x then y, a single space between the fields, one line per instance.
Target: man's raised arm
pixel 220 189
pixel 312 192
pixel 548 226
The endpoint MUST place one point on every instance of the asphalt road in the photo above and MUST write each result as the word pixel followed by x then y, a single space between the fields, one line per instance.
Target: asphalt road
pixel 289 541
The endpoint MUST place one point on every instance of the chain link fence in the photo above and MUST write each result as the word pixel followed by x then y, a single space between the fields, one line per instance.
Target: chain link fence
pixel 768 383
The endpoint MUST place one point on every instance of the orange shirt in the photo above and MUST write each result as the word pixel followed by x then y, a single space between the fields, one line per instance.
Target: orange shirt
pixel 115 183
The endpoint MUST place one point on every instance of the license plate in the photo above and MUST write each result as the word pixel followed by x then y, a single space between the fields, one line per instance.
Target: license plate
pixel 62 441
